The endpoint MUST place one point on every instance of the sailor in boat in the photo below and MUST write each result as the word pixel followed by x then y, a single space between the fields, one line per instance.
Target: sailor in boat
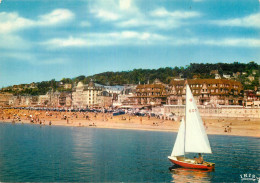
pixel 198 160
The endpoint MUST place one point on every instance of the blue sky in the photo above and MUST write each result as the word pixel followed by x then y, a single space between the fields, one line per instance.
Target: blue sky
pixel 51 39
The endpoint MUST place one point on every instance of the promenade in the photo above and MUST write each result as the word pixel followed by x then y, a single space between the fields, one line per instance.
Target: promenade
pixel 218 112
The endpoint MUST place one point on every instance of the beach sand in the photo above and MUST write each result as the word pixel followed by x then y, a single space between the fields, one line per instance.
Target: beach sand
pixel 233 126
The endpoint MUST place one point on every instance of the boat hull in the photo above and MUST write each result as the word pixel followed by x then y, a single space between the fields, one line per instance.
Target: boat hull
pixel 204 166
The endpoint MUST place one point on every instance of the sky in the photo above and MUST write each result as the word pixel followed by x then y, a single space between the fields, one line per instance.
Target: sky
pixel 42 40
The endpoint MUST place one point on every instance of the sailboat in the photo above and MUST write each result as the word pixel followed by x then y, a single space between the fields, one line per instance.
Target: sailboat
pixel 191 138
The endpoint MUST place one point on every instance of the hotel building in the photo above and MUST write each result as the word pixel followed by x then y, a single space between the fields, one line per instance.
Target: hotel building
pixel 206 91
pixel 85 95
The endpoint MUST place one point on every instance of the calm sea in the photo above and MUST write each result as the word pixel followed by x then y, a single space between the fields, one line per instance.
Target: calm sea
pixel 49 153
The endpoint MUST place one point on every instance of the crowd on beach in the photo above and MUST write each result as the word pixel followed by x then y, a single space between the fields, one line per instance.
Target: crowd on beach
pixel 101 119
pixel 44 117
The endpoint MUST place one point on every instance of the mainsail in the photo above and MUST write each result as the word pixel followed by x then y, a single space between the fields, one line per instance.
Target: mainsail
pixel 192 136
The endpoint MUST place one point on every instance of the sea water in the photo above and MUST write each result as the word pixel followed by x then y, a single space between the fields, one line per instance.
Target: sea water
pixel 50 153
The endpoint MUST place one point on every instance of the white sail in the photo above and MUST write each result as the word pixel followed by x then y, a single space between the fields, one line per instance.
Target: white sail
pixel 196 139
pixel 178 148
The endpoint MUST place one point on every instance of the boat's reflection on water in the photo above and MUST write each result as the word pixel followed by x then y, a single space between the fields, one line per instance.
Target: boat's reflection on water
pixel 180 174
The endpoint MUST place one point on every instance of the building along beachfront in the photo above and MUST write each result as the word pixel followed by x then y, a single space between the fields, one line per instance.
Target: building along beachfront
pixel 85 95
pixel 207 91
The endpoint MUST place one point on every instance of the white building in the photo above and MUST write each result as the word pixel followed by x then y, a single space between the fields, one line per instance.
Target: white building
pixel 114 89
pixel 85 95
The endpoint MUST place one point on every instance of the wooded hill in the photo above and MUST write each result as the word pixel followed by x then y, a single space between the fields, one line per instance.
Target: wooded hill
pixel 200 70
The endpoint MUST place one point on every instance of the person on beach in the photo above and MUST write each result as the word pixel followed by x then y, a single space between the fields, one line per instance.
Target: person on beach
pixel 229 129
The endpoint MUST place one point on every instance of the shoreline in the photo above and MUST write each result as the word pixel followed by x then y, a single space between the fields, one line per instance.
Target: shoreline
pixel 140 127
pixel 215 126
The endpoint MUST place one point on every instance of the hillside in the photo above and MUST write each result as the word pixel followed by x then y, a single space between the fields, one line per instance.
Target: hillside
pixel 247 74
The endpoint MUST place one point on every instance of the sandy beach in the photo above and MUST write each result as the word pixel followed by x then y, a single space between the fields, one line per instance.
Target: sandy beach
pixel 218 126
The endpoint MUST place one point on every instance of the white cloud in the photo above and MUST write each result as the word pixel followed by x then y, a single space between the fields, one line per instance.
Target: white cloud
pixel 160 19
pixel 17 55
pixel 106 39
pixel 142 38
pixel 140 22
pixel 16 47
pixel 248 21
pixel 11 22
pixel 105 15
pixel 13 42
pixel 55 17
pixel 226 42
pixel 114 10
pixel 69 42
pixel 85 24
pixel 237 42
pixel 125 4
pixel 30 57
pixel 162 12
pixel 125 14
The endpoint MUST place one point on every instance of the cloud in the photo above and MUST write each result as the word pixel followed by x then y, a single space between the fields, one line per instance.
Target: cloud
pixel 17 55
pixel 125 14
pixel 125 4
pixel 106 39
pixel 105 15
pixel 85 24
pixel 235 42
pixel 142 22
pixel 11 22
pixel 55 17
pixel 68 42
pixel 160 19
pixel 162 12
pixel 248 21
pixel 226 42
pixel 133 38
pixel 31 58
pixel 114 10
pixel 14 42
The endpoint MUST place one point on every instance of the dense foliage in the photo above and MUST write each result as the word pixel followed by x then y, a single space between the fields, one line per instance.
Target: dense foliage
pixel 200 70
